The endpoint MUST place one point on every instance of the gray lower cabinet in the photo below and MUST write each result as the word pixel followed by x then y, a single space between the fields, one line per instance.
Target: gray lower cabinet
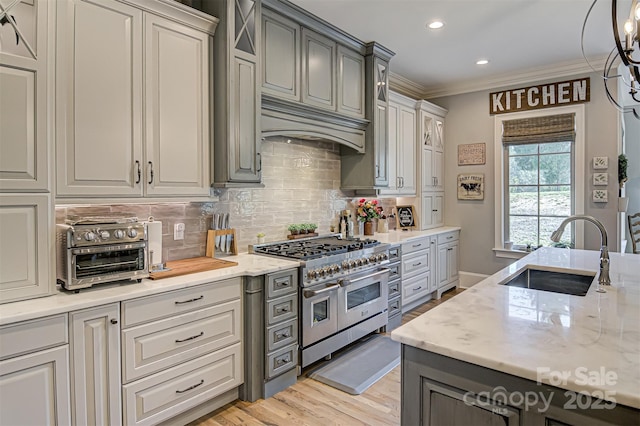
pixel 438 390
pixel 95 366
pixel 271 333
pixel 34 372
pixel 181 349
pixel 236 75
pixel 395 287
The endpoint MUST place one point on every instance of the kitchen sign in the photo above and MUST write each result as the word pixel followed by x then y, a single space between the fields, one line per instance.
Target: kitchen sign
pixel 542 96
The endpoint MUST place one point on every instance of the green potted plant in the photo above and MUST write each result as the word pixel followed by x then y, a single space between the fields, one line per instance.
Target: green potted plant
pixel 303 228
pixel 294 229
pixel 311 227
pixel 623 202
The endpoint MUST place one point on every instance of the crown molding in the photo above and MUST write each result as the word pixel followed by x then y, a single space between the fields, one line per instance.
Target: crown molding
pixel 510 79
pixel 406 87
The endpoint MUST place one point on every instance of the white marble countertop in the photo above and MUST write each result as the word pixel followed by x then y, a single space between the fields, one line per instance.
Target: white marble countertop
pixel 538 335
pixel 399 236
pixel 65 301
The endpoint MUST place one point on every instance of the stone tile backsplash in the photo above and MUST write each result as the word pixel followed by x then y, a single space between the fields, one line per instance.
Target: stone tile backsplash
pixel 301 184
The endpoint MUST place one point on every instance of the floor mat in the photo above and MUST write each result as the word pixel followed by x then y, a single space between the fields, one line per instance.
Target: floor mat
pixel 363 365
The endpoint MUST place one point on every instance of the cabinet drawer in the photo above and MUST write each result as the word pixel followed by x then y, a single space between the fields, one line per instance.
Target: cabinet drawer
pixel 415 245
pixel 29 336
pixel 415 288
pixel 416 263
pixel 155 346
pixel 448 237
pixel 282 283
pixel 395 271
pixel 283 360
pixel 282 309
pixel 158 397
pixel 394 289
pixel 168 304
pixel 282 335
pixel 395 306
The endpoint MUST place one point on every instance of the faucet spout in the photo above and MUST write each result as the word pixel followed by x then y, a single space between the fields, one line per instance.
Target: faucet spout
pixel 603 278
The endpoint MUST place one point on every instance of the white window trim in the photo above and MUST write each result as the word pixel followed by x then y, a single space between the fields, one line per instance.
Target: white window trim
pixel 579 159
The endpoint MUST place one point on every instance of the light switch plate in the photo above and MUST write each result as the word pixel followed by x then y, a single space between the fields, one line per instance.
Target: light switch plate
pixel 178 231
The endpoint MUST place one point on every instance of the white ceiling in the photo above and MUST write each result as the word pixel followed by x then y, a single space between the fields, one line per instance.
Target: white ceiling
pixel 522 39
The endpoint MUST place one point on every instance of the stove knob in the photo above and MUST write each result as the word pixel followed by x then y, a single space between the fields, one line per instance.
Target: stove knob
pixel 365 261
pixel 345 265
pixel 385 256
pixel 118 233
pixel 132 233
pixel 312 275
pixel 360 262
pixel 335 269
pixel 352 264
pixel 373 258
pixel 326 271
pixel 89 236
pixel 104 235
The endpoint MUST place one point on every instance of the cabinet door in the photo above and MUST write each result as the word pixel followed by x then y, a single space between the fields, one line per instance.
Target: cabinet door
pixel 95 366
pixel 443 265
pixel 244 152
pixel 437 209
pixel 382 146
pixel 176 108
pixel 99 99
pixel 26 260
pixel 350 82
pixel 318 70
pixel 437 168
pixel 394 150
pixel 438 130
pixel 427 211
pixel 407 158
pixel 281 57
pixel 428 180
pixel 452 254
pixel 24 107
pixel 34 388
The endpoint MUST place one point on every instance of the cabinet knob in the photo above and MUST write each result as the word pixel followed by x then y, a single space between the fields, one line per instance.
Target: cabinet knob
pixel 113 321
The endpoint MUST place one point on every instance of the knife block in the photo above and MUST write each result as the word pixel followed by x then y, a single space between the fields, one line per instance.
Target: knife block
pixel 211 240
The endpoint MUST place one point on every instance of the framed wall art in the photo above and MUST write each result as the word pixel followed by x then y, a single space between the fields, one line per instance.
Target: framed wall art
pixel 600 163
pixel 600 196
pixel 471 186
pixel 405 217
pixel 470 154
pixel 600 179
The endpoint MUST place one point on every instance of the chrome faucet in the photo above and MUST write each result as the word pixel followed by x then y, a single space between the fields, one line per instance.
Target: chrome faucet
pixel 603 278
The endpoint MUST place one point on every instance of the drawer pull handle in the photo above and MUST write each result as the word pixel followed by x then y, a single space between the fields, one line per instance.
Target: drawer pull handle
pixel 189 301
pixel 191 387
pixel 285 335
pixel 113 321
pixel 449 237
pixel 190 338
pixel 282 310
pixel 282 284
pixel 417 288
pixel 449 249
pixel 417 245
pixel 417 264
pixel 282 361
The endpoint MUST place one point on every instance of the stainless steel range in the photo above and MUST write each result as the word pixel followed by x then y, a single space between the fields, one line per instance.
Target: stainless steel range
pixel 344 290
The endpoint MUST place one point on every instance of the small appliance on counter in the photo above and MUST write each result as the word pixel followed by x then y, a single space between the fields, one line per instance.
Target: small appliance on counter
pixel 154 245
pixel 99 249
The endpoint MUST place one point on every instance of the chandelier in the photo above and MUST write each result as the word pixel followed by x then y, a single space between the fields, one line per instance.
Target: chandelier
pixel 626 52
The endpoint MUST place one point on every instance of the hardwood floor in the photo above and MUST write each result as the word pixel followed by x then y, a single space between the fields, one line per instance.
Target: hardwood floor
pixel 312 403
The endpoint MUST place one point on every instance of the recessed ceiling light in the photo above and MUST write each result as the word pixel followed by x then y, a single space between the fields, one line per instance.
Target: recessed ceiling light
pixel 482 62
pixel 434 25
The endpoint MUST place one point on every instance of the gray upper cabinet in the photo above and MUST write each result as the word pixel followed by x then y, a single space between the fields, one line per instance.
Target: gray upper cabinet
pixel 318 70
pixel 350 82
pixel 237 76
pixel 281 53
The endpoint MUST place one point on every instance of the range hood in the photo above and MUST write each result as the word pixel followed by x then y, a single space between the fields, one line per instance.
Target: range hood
pixel 295 120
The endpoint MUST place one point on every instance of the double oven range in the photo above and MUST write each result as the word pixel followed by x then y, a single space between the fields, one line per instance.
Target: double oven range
pixel 343 294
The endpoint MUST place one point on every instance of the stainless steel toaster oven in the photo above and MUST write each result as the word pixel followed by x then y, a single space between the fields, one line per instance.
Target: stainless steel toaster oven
pixel 90 254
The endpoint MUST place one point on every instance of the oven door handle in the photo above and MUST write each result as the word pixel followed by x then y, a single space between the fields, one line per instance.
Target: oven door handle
pixel 311 293
pixel 109 247
pixel 346 282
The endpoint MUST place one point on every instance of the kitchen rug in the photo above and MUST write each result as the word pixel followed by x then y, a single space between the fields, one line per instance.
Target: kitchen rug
pixel 361 366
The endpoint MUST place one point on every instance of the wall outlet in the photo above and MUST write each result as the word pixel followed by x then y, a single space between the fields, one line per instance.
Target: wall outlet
pixel 178 231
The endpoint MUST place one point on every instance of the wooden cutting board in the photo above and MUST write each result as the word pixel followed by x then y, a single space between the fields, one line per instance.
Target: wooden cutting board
pixel 190 266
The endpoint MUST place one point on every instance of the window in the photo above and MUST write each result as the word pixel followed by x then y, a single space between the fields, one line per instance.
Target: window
pixel 539 156
pixel 539 192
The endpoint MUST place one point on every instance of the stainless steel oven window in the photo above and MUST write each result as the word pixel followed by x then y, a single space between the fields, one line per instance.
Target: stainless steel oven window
pixel 320 311
pixel 363 295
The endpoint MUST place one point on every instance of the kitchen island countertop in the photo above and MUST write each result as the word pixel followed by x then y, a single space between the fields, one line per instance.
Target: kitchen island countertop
pixel 594 341
pixel 66 301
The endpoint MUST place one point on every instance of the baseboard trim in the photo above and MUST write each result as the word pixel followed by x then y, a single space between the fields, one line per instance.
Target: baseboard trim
pixel 469 279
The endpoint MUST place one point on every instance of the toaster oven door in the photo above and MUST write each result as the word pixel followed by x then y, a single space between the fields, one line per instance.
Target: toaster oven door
pixel 112 262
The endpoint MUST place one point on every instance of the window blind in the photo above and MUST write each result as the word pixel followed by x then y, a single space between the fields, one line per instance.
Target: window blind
pixel 548 128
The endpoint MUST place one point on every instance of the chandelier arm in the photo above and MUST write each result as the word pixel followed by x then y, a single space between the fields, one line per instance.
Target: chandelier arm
pixel 584 27
pixel 614 21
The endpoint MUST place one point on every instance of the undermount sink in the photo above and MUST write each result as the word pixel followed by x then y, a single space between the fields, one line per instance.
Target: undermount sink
pixel 553 281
